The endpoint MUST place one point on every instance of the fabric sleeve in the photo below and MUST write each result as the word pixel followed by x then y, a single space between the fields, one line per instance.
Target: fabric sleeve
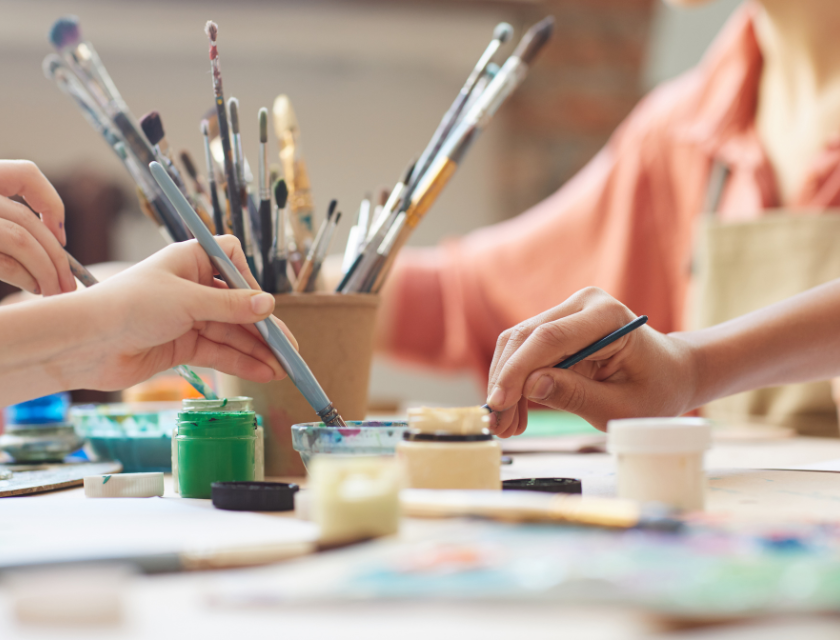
pixel 600 229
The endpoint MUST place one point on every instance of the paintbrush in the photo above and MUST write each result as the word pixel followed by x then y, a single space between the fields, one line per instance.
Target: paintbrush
pixel 278 248
pixel 532 506
pixel 55 69
pixel 249 212
pixel 294 168
pixel 357 236
pixel 233 194
pixel 82 59
pixel 291 361
pixel 321 253
pixel 452 153
pixel 595 347
pixel 197 179
pixel 303 278
pixel 356 276
pixel 88 279
pixel 152 126
pixel 487 77
pixel 501 34
pixel 267 234
pixel 218 215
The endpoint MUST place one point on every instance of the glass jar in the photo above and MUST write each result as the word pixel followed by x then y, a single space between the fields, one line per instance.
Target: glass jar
pixel 214 446
pixel 450 449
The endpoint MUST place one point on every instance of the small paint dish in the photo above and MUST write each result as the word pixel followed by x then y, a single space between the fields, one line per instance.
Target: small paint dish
pixel 358 438
pixel 139 435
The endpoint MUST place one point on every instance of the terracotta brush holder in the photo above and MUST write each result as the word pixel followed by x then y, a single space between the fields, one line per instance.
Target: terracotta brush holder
pixel 335 334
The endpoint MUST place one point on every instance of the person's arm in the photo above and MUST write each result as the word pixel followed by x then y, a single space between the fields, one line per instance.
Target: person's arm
pixel 31 250
pixel 647 373
pixel 165 311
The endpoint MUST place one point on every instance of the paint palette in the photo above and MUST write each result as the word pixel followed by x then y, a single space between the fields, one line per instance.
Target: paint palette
pixel 358 438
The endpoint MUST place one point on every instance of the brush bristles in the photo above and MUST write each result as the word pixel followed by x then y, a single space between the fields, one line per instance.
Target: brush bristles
pixel 205 128
pixel 189 166
pixel 331 209
pixel 503 32
pixel 212 30
pixel 153 127
pixel 337 217
pixel 533 41
pixel 263 125
pixel 233 108
pixel 65 32
pixel 281 193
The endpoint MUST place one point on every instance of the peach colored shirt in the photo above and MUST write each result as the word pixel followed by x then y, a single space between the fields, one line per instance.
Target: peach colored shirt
pixel 624 223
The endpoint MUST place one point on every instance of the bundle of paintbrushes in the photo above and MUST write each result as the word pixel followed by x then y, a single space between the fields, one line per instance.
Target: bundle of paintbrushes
pixel 78 72
pixel 372 248
pixel 283 249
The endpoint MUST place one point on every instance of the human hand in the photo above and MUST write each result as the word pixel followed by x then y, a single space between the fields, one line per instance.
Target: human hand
pixel 170 310
pixel 31 253
pixel 642 374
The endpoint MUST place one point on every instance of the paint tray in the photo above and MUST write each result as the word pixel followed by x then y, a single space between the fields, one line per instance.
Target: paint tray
pixel 138 435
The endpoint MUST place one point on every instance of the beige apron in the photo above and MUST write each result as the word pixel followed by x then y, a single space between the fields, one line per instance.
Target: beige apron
pixel 741 267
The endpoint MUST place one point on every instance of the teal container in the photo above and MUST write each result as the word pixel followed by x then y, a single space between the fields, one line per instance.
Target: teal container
pixel 214 446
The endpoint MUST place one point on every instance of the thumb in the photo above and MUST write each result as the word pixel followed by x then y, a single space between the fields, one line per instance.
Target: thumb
pixel 596 402
pixel 233 306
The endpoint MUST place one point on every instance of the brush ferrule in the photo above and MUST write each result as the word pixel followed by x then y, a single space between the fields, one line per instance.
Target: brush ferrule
pixel 330 417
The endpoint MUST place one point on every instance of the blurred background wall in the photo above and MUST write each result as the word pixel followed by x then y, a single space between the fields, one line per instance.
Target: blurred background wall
pixel 369 81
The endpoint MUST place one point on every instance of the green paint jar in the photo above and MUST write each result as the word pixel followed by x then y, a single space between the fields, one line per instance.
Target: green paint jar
pixel 214 446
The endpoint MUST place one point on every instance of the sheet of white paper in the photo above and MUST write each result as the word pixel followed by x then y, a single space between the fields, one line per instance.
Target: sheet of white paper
pixel 33 530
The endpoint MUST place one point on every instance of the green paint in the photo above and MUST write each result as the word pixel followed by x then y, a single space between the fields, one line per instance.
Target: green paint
pixel 214 446
pixel 105 479
pixel 224 402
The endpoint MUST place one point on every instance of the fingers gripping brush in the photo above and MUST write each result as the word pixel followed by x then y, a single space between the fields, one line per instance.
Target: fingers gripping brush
pixel 280 346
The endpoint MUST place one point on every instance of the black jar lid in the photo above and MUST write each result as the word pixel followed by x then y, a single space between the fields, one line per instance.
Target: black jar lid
pixel 414 435
pixel 546 485
pixel 254 496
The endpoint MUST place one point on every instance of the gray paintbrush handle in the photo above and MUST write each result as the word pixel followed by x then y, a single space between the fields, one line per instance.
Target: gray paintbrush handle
pixel 277 341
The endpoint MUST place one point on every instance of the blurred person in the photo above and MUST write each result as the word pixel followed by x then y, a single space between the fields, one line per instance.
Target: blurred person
pixel 719 188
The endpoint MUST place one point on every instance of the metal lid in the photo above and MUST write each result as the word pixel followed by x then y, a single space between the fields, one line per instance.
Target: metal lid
pixel 444 436
pixel 254 496
pixel 124 485
pixel 545 485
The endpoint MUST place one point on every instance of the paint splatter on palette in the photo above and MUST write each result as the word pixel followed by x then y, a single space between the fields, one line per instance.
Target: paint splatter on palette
pixel 706 572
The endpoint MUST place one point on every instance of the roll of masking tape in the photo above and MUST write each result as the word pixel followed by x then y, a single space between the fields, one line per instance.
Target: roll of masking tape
pixel 124 485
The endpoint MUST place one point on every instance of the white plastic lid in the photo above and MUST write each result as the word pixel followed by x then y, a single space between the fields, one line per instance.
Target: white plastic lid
pixel 659 435
pixel 124 485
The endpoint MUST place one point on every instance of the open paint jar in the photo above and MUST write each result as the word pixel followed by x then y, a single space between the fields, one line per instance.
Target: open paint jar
pixel 661 459
pixel 214 446
pixel 358 438
pixel 450 449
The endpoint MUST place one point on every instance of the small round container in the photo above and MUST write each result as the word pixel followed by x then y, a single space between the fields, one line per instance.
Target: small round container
pixel 40 442
pixel 358 438
pixel 214 446
pixel 450 461
pixel 661 459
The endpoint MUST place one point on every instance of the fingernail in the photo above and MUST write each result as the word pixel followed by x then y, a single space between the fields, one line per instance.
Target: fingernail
pixel 496 397
pixel 542 388
pixel 262 303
